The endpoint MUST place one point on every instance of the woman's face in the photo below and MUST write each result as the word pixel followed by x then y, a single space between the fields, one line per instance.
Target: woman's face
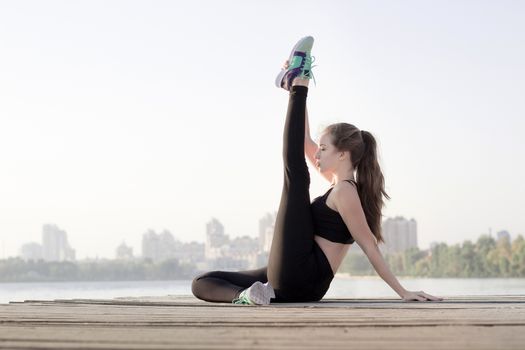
pixel 327 156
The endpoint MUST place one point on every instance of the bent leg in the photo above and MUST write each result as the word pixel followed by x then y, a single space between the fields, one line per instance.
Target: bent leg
pixel 293 238
pixel 224 286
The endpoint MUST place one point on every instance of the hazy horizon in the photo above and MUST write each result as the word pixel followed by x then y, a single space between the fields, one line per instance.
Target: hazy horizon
pixel 121 116
pixel 137 251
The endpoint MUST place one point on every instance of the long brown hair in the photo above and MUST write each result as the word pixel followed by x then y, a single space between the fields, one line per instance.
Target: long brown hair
pixel 370 181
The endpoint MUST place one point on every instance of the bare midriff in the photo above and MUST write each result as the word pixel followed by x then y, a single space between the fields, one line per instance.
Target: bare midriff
pixel 335 252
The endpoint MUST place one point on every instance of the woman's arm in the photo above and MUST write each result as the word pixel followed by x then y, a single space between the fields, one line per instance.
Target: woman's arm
pixel 348 204
pixel 378 262
pixel 310 147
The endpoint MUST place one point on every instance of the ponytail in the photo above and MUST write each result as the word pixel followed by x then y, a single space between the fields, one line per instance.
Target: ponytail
pixel 371 184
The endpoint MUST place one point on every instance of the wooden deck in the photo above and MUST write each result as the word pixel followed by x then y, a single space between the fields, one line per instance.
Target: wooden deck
pixel 467 322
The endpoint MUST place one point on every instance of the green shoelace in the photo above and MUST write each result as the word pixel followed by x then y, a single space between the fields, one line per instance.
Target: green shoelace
pixel 242 299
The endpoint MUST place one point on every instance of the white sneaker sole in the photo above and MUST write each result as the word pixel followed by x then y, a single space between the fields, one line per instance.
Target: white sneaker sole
pixel 283 72
pixel 261 293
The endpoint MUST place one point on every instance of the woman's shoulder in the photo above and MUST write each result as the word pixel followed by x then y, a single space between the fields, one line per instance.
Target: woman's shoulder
pixel 345 195
pixel 345 188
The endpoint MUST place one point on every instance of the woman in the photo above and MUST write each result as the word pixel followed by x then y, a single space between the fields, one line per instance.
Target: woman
pixel 311 239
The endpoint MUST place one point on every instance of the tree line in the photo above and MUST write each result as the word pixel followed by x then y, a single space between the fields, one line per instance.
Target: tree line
pixel 19 270
pixel 484 258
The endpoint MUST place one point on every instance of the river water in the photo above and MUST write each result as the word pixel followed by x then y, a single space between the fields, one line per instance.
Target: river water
pixel 341 287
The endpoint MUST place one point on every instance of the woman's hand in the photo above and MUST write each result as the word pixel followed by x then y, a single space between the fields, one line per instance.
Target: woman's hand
pixel 419 296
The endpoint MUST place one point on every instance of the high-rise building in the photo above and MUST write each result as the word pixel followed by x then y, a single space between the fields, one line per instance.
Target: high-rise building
pixel 192 252
pixel 55 246
pixel 158 247
pixel 216 240
pixel 266 227
pixel 224 253
pixel 399 234
pixel 150 245
pixel 31 251
pixel 124 252
pixel 163 246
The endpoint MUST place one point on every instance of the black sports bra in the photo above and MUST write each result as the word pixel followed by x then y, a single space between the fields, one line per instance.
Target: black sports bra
pixel 328 223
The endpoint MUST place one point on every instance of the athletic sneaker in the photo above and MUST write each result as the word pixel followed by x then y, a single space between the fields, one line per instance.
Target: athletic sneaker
pixel 258 294
pixel 300 64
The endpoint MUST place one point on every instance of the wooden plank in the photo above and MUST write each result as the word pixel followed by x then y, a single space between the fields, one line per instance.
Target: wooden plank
pixel 473 322
pixel 89 337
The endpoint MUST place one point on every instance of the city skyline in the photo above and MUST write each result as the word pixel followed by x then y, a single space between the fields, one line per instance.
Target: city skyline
pixel 391 227
pixel 119 118
pixel 219 252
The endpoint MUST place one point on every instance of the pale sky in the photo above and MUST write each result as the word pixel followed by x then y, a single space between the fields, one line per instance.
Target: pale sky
pixel 121 116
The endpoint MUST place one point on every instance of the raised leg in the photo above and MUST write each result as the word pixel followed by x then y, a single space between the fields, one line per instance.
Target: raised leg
pixel 293 238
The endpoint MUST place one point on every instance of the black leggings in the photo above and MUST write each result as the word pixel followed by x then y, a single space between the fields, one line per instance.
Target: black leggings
pixel 297 268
